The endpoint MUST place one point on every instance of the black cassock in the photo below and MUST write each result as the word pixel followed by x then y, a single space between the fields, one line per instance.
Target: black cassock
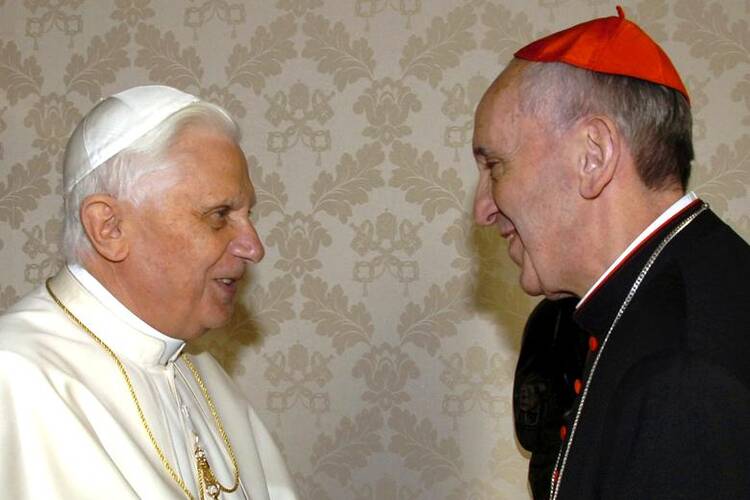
pixel 552 357
pixel 667 411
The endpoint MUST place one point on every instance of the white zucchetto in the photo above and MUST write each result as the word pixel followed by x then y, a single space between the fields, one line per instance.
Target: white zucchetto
pixel 115 124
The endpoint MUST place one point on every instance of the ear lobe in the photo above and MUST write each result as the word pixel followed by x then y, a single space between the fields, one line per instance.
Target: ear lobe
pixel 601 154
pixel 101 216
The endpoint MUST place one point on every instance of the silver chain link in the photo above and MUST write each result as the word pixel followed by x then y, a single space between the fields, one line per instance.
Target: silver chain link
pixel 557 473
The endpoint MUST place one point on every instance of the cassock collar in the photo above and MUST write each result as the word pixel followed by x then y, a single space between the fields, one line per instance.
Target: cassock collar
pixel 124 332
pixel 595 312
pixel 647 233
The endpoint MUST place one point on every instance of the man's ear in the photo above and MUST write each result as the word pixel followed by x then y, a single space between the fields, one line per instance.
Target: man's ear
pixel 101 216
pixel 600 157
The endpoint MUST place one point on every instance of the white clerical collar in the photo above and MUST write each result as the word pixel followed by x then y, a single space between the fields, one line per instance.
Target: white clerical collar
pixel 673 210
pixel 172 346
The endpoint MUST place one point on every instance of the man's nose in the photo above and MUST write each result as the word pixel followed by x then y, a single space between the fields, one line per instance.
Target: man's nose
pixel 246 244
pixel 485 208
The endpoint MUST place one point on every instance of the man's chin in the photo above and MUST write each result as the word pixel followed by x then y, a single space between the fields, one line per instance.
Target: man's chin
pixel 558 295
pixel 220 318
pixel 533 287
pixel 223 320
pixel 530 283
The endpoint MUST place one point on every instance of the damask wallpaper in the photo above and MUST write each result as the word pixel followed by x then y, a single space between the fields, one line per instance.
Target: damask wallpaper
pixel 378 338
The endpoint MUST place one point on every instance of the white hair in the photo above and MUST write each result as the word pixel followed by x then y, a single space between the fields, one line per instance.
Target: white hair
pixel 119 176
pixel 655 120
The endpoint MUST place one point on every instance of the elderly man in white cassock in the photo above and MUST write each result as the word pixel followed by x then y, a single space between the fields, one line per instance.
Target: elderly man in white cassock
pixel 98 398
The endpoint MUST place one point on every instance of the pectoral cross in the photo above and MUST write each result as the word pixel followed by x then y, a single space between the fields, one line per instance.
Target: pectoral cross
pixel 208 481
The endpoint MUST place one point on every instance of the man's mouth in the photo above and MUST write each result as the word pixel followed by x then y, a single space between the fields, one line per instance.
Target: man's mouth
pixel 515 247
pixel 506 228
pixel 509 234
pixel 229 284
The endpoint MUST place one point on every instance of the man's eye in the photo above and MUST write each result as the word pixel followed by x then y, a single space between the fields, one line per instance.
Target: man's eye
pixel 218 217
pixel 496 170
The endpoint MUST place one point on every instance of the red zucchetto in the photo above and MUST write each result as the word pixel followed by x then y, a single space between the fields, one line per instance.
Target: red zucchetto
pixel 611 45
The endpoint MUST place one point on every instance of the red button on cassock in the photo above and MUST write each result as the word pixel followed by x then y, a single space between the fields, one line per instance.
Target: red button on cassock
pixel 593 344
pixel 577 386
pixel 563 432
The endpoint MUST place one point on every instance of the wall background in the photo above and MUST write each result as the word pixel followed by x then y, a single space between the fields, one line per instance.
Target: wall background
pixel 378 338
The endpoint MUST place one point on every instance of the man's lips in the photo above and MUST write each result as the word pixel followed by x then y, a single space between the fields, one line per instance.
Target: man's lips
pixel 508 234
pixel 511 236
pixel 230 282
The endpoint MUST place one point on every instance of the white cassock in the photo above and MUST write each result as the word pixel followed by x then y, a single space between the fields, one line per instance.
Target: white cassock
pixel 68 425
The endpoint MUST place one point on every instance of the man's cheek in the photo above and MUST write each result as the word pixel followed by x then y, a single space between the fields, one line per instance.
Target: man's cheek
pixel 530 282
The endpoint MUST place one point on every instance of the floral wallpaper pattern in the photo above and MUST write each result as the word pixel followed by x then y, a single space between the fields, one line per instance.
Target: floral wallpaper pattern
pixel 378 338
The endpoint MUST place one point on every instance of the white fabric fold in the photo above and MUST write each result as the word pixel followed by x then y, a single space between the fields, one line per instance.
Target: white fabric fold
pixel 69 428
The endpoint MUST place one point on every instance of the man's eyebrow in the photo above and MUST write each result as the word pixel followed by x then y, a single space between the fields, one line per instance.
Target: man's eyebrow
pixel 485 153
pixel 210 208
pixel 229 202
pixel 480 151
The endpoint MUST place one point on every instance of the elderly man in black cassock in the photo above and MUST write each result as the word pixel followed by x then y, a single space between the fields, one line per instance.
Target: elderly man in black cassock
pixel 583 146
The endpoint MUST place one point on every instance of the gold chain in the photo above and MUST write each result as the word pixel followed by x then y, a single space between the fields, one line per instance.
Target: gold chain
pixel 205 475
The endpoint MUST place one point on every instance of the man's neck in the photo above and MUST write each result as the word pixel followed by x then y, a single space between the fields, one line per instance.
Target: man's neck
pixel 107 274
pixel 619 225
pixel 172 346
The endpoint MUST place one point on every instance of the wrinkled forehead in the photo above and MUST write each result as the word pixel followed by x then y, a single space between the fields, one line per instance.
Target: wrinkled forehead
pixel 503 93
pixel 507 84
pixel 500 103
pixel 204 160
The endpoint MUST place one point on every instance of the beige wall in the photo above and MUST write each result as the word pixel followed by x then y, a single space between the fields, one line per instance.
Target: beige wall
pixel 378 338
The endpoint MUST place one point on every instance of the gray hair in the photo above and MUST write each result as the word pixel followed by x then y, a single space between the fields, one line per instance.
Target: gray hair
pixel 119 175
pixel 655 120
